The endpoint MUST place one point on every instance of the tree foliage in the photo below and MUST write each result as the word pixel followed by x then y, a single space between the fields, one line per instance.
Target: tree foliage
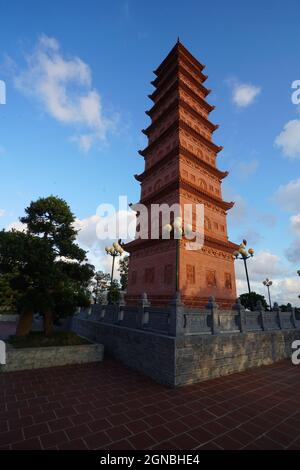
pixel 7 294
pixel 286 308
pixel 48 271
pixel 99 284
pixel 249 301
pixel 123 270
pixel 114 292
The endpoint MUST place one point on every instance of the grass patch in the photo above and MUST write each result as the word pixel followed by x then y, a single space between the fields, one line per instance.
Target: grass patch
pixel 37 339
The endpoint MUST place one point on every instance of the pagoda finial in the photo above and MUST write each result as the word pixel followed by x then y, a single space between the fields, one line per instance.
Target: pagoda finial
pixel 178 40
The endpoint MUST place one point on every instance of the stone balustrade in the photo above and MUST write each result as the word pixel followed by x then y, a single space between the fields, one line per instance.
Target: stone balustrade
pixel 178 320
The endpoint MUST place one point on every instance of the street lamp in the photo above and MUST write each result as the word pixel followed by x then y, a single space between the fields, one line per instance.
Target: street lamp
pixel 114 251
pixel 178 232
pixel 298 272
pixel 268 283
pixel 243 254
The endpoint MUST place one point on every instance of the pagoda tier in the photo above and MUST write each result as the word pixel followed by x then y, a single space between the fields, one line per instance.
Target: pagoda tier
pixel 180 167
pixel 186 56
pixel 179 150
pixel 176 105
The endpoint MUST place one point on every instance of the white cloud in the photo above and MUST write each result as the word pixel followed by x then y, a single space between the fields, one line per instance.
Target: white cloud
pixel 286 285
pixel 63 86
pixel 2 212
pixel 85 141
pixel 288 196
pixel 16 225
pixel 89 240
pixel 289 139
pixel 293 251
pixel 263 264
pixel 295 224
pixel 244 94
pixel 284 290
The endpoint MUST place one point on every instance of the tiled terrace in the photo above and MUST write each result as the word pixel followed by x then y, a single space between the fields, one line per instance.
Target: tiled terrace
pixel 108 406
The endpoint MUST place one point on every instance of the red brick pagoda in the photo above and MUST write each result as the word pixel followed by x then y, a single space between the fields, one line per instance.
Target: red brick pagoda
pixel 180 167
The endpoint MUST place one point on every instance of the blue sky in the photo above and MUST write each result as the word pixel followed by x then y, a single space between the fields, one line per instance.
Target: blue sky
pixel 78 137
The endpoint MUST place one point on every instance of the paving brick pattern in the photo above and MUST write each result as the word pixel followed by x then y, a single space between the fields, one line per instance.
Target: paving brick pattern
pixel 108 406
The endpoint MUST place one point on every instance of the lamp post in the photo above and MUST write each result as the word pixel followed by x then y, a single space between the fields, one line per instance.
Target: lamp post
pixel 178 232
pixel 243 254
pixel 268 284
pixel 298 272
pixel 114 251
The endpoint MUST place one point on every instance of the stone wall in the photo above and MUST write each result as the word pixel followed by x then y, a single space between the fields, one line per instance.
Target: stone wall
pixel 203 357
pixel 36 358
pixel 147 352
pixel 181 359
pixel 9 317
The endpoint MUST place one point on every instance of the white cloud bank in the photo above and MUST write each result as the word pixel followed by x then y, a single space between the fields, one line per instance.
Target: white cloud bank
pixel 244 94
pixel 88 235
pixel 63 86
pixel 293 251
pixel 289 139
pixel 286 285
pixel 288 196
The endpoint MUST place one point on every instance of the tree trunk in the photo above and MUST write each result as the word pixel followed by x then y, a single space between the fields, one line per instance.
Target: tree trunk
pixel 25 323
pixel 48 323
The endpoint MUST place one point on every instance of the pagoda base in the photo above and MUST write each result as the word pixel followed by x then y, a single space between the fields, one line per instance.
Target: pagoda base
pixel 189 358
pixel 188 301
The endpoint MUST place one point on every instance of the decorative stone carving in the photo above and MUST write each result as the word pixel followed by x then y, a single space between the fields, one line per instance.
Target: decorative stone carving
pixel 211 280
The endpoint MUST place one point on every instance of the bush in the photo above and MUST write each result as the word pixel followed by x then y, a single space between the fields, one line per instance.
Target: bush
pixel 37 339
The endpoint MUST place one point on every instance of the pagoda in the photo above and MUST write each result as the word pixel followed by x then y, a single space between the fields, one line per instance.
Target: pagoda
pixel 180 167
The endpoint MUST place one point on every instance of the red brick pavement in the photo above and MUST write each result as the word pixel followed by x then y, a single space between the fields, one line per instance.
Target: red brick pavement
pixel 108 406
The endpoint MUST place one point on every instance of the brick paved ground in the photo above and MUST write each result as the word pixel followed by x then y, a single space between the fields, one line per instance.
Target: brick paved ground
pixel 107 406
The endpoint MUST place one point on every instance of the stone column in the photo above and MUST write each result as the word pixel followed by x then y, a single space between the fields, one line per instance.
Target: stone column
pixel 122 302
pixel 120 305
pixel 104 304
pixel 143 315
pixel 293 317
pixel 214 307
pixel 259 308
pixel 176 323
pixel 277 312
pixel 242 314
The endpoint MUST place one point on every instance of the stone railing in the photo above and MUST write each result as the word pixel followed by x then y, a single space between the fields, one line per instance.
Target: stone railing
pixel 177 320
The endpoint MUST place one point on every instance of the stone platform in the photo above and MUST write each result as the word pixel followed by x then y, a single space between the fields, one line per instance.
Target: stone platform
pixel 179 346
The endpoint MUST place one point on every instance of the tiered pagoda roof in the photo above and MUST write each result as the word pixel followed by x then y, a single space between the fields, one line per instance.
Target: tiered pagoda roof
pixel 179 87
